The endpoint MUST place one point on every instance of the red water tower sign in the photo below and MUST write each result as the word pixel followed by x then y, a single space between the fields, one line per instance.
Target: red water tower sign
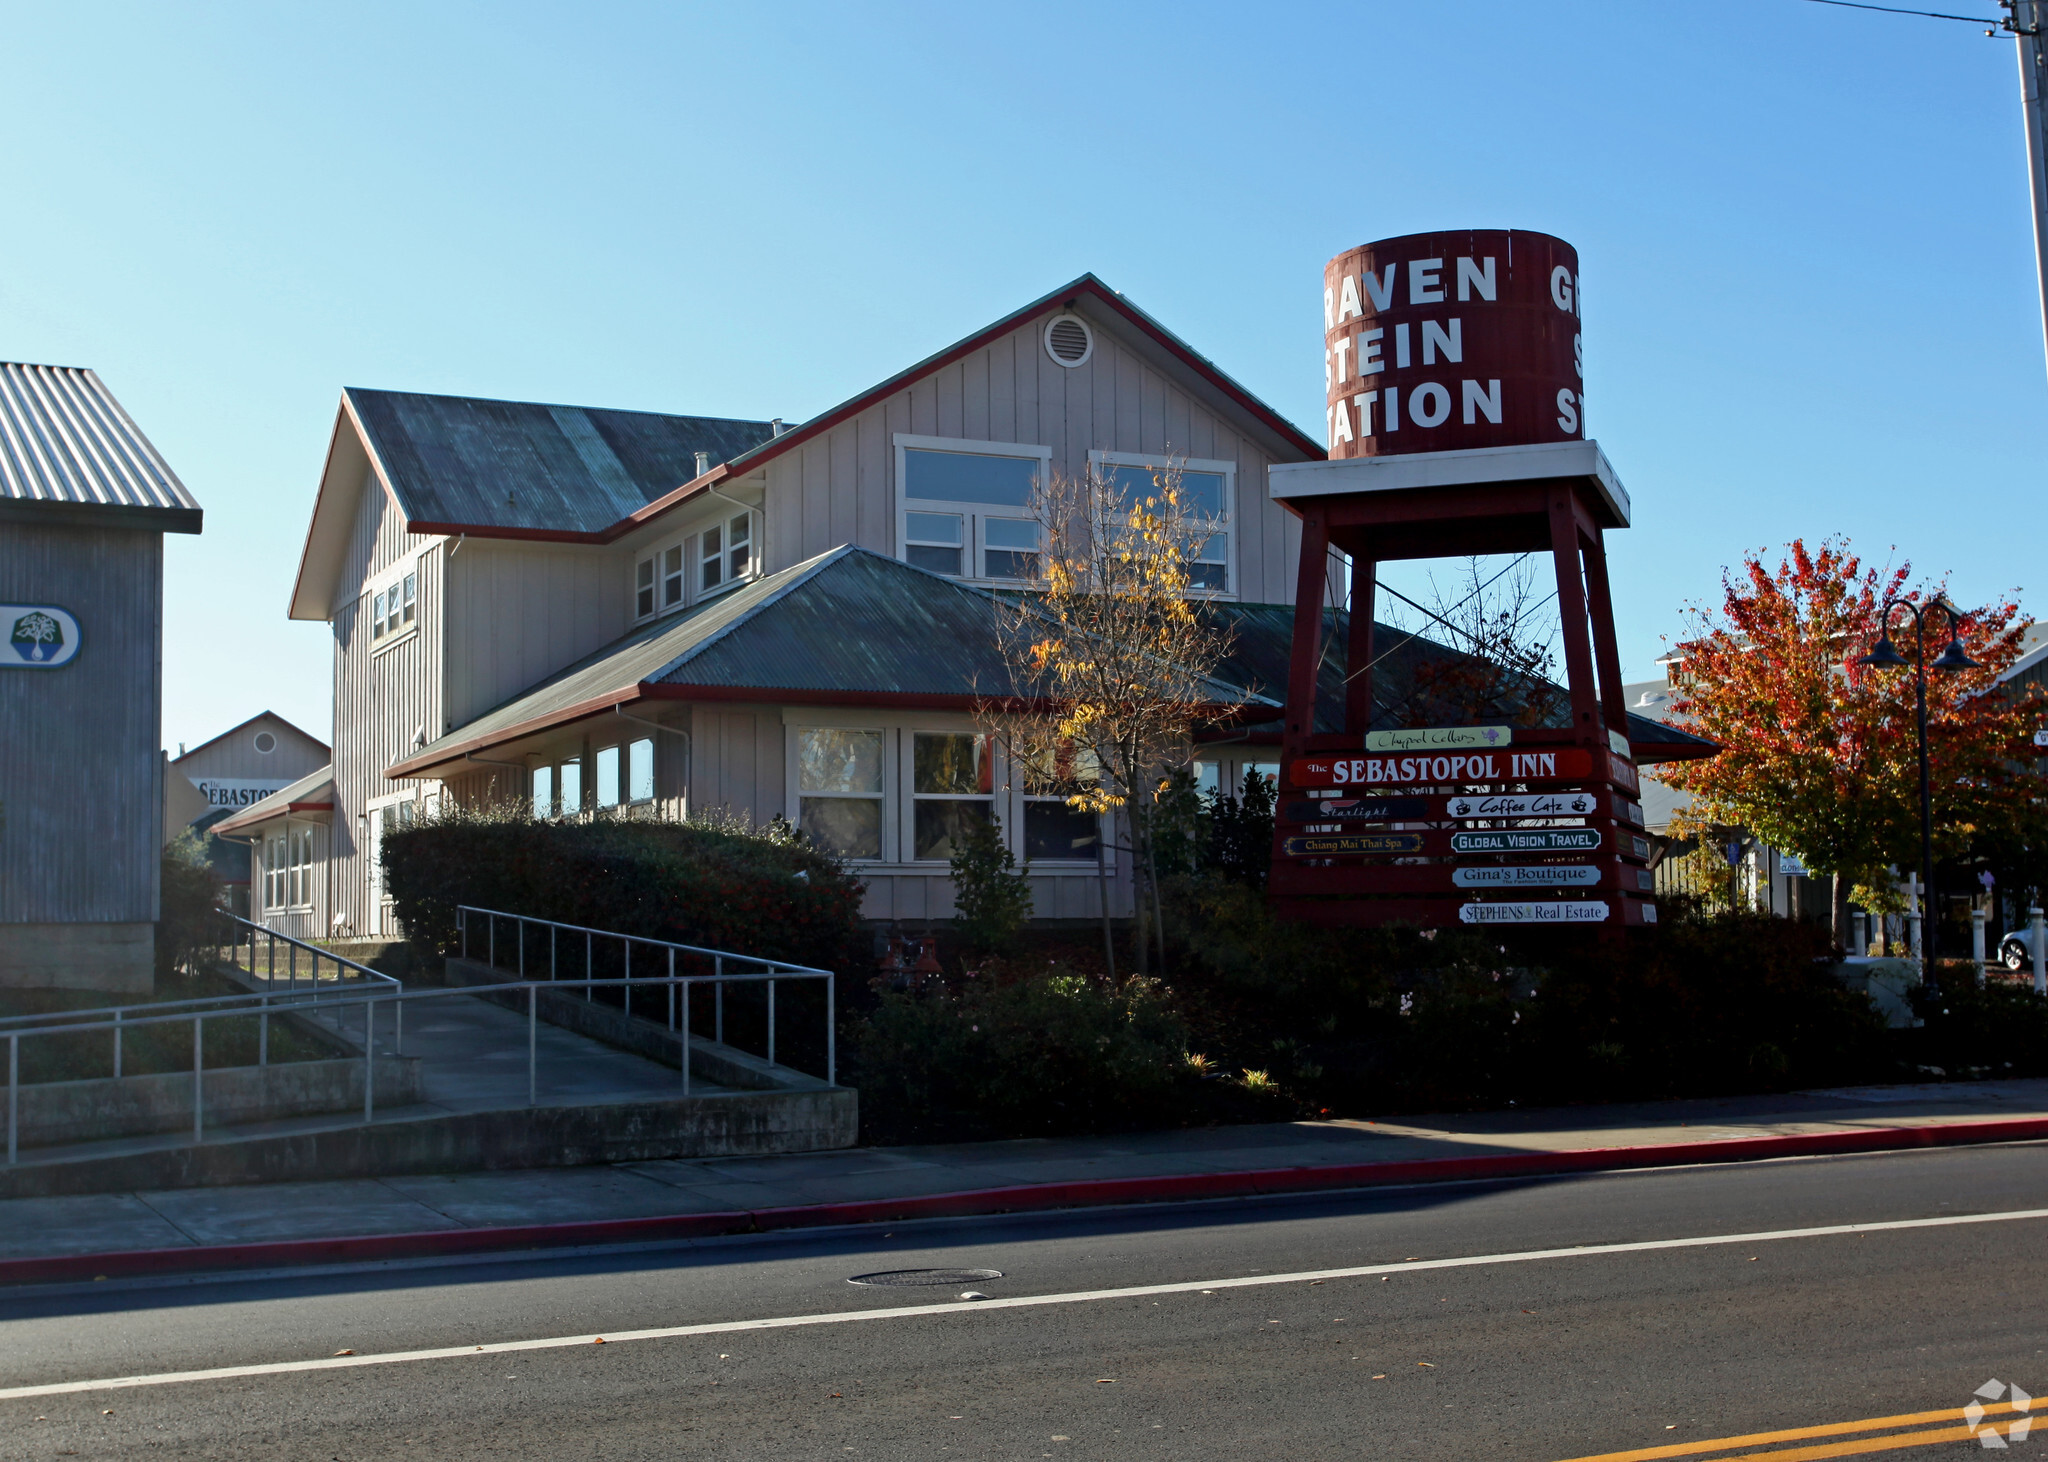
pixel 1449 341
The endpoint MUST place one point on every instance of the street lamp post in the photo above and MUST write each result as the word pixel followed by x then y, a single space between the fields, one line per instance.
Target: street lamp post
pixel 1885 656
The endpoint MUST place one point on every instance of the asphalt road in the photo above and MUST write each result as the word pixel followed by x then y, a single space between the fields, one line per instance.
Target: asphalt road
pixel 1544 1359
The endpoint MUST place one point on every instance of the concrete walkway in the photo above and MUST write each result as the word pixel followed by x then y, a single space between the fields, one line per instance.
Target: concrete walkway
pixel 103 1223
pixel 473 1055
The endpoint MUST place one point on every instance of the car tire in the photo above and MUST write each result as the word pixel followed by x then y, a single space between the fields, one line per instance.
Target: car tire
pixel 2014 957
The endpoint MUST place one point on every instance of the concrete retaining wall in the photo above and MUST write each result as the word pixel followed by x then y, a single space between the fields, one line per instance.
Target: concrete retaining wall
pixel 710 1060
pixel 728 1125
pixel 125 1106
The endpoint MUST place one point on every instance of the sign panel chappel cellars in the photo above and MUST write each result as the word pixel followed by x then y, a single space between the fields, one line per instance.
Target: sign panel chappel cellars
pixel 1453 365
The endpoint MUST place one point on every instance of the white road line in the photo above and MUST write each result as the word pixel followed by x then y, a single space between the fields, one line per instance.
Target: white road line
pixel 1019 1302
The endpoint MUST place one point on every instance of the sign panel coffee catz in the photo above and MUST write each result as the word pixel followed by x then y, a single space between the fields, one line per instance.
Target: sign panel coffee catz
pixel 1447 341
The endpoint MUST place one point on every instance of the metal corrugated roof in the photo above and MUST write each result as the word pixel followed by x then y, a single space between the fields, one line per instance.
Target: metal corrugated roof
pixel 851 626
pixel 460 462
pixel 848 624
pixel 67 448
pixel 315 789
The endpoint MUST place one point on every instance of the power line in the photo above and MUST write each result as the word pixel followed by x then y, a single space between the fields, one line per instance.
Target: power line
pixel 1895 10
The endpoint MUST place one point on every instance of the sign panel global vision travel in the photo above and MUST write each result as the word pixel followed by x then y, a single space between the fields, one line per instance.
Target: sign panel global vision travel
pixel 1546 840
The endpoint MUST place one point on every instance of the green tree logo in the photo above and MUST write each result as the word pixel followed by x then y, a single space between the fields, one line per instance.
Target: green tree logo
pixel 37 636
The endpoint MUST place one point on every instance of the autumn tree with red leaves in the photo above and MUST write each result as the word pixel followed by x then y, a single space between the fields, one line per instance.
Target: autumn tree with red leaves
pixel 1819 756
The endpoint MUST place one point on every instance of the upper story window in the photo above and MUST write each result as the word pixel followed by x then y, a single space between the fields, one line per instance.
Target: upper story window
pixel 964 508
pixel 1210 489
pixel 395 609
pixel 726 553
pixel 723 553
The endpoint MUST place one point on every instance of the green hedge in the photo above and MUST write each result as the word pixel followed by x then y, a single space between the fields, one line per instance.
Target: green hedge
pixel 1362 1020
pixel 761 893
pixel 1044 1055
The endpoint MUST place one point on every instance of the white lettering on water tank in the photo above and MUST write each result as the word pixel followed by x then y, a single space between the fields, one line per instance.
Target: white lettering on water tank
pixel 1486 403
pixel 1470 277
pixel 1561 288
pixel 1424 285
pixel 1434 339
pixel 1429 404
pixel 1567 412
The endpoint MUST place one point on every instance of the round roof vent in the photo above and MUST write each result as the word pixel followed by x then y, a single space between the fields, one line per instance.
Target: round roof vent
pixel 1068 340
pixel 265 742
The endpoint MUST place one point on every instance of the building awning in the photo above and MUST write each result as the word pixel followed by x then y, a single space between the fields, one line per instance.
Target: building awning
pixel 310 794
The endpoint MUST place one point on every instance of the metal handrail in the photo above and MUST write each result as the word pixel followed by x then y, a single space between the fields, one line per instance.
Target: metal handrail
pixel 333 1000
pixel 293 945
pixel 772 966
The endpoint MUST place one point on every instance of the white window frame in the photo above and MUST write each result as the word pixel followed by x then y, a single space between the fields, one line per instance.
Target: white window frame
pixel 391 603
pixel 688 551
pixel 701 559
pixel 899 811
pixel 973 536
pixel 1158 462
pixel 892 832
pixel 288 882
pixel 994 799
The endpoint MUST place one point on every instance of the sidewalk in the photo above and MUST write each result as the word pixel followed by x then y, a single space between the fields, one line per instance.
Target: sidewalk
pixel 300 1222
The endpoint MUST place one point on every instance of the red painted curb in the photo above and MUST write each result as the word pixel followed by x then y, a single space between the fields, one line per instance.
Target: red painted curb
pixel 1024 1198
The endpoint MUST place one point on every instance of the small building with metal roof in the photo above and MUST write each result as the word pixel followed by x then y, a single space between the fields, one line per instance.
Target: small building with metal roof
pixel 85 501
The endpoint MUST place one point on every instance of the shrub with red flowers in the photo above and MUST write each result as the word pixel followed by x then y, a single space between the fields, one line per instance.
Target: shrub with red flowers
pixel 718 885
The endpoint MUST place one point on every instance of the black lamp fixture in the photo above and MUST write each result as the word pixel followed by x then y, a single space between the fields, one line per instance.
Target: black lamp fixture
pixel 1884 655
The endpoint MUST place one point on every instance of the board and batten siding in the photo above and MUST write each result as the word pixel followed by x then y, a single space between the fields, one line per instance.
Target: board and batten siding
pixel 841 486
pixel 519 612
pixel 81 800
pixel 382 698
pixel 236 757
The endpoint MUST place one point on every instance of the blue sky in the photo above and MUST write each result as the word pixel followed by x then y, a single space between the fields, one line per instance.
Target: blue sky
pixel 1804 234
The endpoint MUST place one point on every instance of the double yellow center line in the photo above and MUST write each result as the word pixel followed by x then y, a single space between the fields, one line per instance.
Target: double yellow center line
pixel 1930 1436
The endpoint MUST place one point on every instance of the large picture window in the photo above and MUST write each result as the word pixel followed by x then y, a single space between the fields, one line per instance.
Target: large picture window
pixel 1209 489
pixel 1053 831
pixel 964 508
pixel 839 775
pixel 952 784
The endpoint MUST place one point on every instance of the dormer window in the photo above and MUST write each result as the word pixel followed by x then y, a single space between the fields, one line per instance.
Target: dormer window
pixel 726 553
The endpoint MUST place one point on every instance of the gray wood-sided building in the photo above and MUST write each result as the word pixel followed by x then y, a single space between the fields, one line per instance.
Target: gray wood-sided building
pixel 677 616
pixel 85 501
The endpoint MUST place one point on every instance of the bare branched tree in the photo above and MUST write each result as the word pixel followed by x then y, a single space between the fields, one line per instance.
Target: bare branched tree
pixel 1111 657
pixel 1503 667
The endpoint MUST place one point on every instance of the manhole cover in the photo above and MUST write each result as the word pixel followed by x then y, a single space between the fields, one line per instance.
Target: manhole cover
pixel 904 1278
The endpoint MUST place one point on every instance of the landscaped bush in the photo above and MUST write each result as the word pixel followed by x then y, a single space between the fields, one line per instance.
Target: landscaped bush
pixel 1361 1020
pixel 1998 1028
pixel 721 886
pixel 190 918
pixel 1038 1055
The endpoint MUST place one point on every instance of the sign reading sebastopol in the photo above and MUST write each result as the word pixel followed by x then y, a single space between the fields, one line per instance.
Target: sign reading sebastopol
pixel 1451 768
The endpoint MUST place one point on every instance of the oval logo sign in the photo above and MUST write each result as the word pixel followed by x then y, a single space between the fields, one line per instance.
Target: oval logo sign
pixel 39 636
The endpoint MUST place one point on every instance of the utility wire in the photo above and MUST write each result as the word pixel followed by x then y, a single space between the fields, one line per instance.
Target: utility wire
pixel 1992 20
